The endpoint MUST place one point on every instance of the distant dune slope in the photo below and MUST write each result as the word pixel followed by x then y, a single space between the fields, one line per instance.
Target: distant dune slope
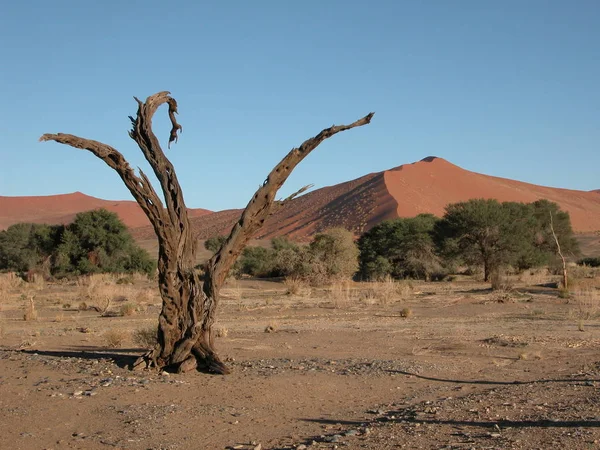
pixel 426 186
pixel 56 209
pixel 430 184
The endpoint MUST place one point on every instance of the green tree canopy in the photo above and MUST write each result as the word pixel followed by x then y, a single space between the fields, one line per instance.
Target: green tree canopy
pixel 27 245
pixel 483 232
pixel 492 234
pixel 401 248
pixel 333 255
pixel 213 244
pixel 96 241
pixel 330 255
pixel 549 216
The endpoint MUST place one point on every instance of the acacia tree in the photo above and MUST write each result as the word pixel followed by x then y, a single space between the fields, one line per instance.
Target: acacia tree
pixel 485 232
pixel 400 248
pixel 189 303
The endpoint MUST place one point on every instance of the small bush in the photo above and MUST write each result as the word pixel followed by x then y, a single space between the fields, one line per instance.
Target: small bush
pixel 146 337
pixel 144 296
pixel 36 280
pixel 500 281
pixel 213 244
pixel 587 299
pixel 340 293
pixel 99 296
pixel 533 277
pixel 125 280
pixel 128 309
pixel 294 285
pixel 115 338
pixel 590 262
pixel 406 313
pixel 579 272
pixel 10 280
pixel 271 328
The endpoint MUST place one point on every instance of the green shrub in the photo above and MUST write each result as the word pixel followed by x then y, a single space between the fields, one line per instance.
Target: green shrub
pixel 400 248
pixel 590 262
pixel 213 244
pixel 97 241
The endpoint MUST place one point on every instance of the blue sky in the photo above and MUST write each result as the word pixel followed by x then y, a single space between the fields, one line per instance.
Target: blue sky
pixel 506 88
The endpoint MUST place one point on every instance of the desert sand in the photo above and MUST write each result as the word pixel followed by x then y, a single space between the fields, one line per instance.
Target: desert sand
pixel 445 365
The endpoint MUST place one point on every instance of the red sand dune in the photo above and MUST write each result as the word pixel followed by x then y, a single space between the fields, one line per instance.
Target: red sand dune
pixel 429 185
pixel 57 209
pixel 426 186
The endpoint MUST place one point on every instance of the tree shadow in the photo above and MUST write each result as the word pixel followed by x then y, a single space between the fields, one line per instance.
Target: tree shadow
pixel 495 383
pixel 540 289
pixel 396 416
pixel 407 415
pixel 123 358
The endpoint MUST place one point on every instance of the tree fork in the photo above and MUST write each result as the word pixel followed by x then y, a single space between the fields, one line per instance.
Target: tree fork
pixel 185 337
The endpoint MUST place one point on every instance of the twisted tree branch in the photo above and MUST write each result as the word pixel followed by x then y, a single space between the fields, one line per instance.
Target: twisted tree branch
pixel 143 135
pixel 140 187
pixel 259 207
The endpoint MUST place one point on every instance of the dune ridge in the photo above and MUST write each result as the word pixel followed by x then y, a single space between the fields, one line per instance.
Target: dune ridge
pixel 62 208
pixel 425 186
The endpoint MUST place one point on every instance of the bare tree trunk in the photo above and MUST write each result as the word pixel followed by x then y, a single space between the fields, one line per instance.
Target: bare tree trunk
pixel 565 280
pixel 185 338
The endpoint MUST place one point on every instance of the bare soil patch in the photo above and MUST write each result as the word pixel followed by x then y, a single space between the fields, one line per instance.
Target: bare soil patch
pixel 340 368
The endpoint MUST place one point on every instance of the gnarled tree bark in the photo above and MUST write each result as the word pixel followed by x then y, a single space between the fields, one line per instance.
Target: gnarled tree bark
pixel 185 338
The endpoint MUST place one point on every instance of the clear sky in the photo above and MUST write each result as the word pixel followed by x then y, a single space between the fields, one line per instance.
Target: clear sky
pixel 507 88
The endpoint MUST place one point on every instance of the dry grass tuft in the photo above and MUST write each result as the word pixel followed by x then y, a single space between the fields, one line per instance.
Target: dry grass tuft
pixel 535 276
pixel 339 293
pixel 115 338
pixel 406 313
pixel 587 299
pixel 59 317
pixel 271 328
pixel 95 279
pixel 30 311
pixel 297 286
pixel 387 291
pixel 232 291
pixel 144 296
pixel 36 281
pixel 9 281
pixel 98 292
pixel 500 281
pixel 221 332
pixel 128 309
pixel 582 272
pixel 146 337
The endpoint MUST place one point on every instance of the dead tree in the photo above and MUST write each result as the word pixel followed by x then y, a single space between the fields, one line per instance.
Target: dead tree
pixel 565 278
pixel 189 302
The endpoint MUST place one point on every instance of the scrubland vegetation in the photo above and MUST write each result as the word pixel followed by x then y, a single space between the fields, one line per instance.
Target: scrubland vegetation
pixel 391 322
